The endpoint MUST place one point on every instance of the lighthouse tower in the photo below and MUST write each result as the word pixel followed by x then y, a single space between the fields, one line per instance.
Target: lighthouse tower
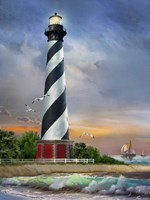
pixel 55 141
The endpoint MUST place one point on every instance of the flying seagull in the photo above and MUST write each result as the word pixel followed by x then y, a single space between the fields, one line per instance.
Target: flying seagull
pixel 88 134
pixel 40 98
pixel 29 109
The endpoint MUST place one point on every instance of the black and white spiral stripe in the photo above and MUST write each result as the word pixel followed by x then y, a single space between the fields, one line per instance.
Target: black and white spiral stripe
pixel 55 115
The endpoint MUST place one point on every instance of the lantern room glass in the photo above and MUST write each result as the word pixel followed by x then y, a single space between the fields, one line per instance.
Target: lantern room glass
pixel 55 20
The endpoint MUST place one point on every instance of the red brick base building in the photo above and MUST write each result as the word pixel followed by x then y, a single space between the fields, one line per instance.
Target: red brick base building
pixel 54 149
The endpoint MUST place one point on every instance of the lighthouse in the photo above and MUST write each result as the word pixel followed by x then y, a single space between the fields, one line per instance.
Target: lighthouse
pixel 55 141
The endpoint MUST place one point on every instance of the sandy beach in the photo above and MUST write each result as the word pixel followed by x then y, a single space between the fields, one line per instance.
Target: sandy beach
pixel 139 171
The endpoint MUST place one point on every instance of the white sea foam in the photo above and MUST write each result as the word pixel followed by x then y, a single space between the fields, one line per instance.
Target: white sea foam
pixel 10 181
pixel 104 184
pixel 140 190
pixel 122 183
pixel 58 184
pixel 111 185
pixel 93 186
pixel 119 188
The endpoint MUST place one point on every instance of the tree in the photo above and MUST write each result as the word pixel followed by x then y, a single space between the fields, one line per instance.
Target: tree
pixel 28 144
pixel 80 150
pixel 8 145
pixel 93 153
pixel 109 160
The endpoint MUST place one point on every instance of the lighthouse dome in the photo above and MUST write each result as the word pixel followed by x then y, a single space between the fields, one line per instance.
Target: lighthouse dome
pixel 55 19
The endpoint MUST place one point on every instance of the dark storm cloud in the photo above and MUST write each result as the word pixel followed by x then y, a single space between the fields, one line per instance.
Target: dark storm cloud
pixel 25 13
pixel 126 81
pixel 127 15
pixel 25 119
pixel 4 112
pixel 20 20
pixel 5 16
pixel 84 20
pixel 132 19
pixel 135 41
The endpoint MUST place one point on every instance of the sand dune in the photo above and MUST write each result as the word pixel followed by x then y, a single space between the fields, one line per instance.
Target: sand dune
pixel 8 171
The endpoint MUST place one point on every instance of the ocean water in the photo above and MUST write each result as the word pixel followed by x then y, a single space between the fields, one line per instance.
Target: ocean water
pixel 77 186
pixel 74 186
pixel 136 160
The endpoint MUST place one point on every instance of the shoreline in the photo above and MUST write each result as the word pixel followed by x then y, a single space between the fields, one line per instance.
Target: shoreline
pixel 130 171
pixel 7 196
pixel 136 175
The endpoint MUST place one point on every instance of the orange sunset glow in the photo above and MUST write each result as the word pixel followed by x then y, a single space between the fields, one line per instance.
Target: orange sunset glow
pixel 108 139
pixel 21 129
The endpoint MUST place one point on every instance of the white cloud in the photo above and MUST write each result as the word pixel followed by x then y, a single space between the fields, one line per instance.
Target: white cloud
pixel 22 79
pixel 80 67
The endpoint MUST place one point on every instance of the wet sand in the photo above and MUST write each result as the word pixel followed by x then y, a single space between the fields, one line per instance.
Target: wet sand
pixel 4 196
pixel 136 175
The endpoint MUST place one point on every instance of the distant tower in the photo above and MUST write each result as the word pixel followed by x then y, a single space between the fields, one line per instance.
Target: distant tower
pixel 55 141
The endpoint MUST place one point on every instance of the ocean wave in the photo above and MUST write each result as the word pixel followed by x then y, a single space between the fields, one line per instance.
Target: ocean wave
pixel 58 184
pixel 136 160
pixel 10 182
pixel 107 185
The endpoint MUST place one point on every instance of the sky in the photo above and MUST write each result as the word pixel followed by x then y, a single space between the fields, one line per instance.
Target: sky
pixel 107 67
